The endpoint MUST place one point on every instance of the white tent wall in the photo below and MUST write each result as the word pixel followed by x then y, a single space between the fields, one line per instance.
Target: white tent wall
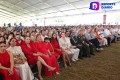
pixel 113 18
pixel 56 12
pixel 32 22
pixel 90 19
pixel 7 21
pixel 51 12
pixel 95 18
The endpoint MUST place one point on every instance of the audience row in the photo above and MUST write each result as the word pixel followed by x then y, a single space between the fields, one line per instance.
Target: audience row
pixel 22 49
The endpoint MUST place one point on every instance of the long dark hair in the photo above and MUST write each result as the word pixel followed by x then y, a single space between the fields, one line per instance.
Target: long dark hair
pixel 52 38
pixel 11 40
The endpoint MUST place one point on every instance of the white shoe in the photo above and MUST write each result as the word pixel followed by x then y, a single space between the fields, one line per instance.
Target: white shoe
pixel 101 48
pixel 73 60
pixel 57 73
pixel 76 59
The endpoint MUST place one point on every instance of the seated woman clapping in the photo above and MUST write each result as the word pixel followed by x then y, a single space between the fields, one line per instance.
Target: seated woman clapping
pixel 7 64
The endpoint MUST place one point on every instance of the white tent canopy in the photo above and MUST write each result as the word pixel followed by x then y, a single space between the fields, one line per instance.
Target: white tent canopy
pixel 39 10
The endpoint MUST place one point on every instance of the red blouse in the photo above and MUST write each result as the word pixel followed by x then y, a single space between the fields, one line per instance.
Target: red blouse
pixel 55 44
pixel 5 61
pixel 29 51
pixel 41 47
pixel 19 43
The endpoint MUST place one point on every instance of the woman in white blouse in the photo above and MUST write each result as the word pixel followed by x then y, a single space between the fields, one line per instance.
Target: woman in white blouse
pixel 21 65
pixel 68 48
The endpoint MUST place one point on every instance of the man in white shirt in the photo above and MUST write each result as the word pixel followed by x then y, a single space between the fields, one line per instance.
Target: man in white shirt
pixel 107 34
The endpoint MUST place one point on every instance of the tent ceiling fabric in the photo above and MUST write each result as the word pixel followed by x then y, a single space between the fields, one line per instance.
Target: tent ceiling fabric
pixel 45 8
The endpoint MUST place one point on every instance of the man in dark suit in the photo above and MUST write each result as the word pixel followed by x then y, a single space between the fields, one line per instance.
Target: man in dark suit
pixel 87 46
pixel 73 40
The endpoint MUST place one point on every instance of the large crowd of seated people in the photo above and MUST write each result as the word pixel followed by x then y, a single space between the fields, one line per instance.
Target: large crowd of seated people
pixel 21 49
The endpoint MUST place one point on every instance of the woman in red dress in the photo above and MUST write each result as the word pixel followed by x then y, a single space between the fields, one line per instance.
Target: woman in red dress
pixel 6 64
pixel 50 47
pixel 58 51
pixel 46 55
pixel 33 56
